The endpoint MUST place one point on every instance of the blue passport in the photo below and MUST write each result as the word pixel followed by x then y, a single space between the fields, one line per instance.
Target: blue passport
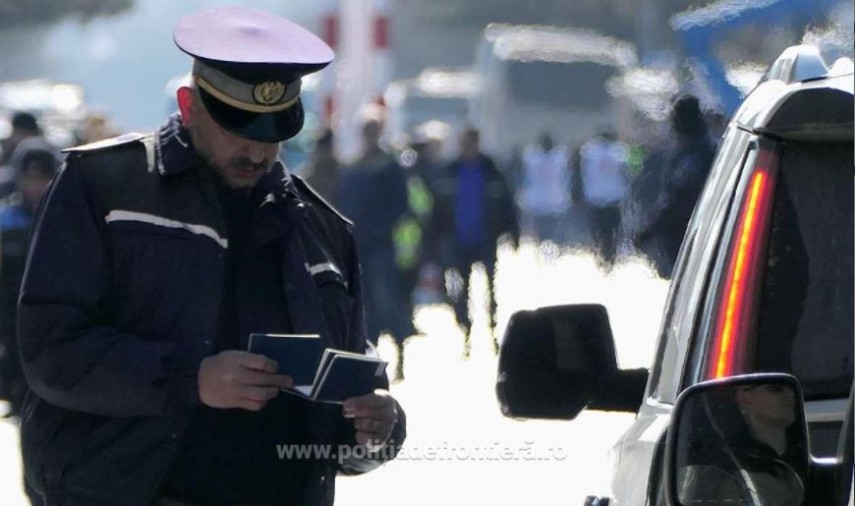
pixel 297 354
pixel 320 374
pixel 342 375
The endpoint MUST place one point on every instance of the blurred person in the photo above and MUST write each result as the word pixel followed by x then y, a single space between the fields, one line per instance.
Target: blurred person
pixel 474 208
pixel 427 149
pixel 373 193
pixel 424 283
pixel 638 207
pixel 409 232
pixel 97 127
pixel 604 164
pixel 514 170
pixel 35 162
pixel 154 257
pixel 322 169
pixel 545 194
pixel 24 126
pixel 637 210
pixel 418 162
pixel 685 170
pixel 578 233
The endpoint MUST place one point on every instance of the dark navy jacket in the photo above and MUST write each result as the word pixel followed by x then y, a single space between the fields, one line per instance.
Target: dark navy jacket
pixel 120 304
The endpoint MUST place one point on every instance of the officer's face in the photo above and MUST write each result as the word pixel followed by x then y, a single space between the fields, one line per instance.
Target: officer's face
pixel 239 162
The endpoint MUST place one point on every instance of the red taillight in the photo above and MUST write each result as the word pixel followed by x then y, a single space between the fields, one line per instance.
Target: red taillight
pixel 736 305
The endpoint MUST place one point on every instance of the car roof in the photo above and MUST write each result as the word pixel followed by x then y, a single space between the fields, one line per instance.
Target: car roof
pixel 800 99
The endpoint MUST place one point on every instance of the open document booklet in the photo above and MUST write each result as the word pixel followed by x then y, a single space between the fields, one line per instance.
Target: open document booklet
pixel 320 374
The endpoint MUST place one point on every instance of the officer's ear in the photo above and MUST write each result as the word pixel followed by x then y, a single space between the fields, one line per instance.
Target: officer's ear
pixel 186 104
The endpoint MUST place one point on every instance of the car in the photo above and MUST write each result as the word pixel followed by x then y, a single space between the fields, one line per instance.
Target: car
pixel 761 300
pixel 523 73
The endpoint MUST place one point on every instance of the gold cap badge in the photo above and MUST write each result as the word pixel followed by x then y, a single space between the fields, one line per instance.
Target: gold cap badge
pixel 268 93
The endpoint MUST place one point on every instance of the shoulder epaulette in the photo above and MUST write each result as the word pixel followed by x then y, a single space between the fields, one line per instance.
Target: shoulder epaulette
pixel 122 140
pixel 318 199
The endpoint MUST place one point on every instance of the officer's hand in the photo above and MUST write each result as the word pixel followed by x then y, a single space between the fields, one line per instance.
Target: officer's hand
pixel 238 379
pixel 374 416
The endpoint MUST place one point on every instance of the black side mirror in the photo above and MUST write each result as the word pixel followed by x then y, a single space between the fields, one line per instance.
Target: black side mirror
pixel 553 360
pixel 739 440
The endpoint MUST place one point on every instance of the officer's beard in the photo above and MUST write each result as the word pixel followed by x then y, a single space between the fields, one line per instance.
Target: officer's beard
pixel 238 172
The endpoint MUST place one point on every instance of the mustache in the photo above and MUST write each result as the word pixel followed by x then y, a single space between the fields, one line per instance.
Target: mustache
pixel 246 164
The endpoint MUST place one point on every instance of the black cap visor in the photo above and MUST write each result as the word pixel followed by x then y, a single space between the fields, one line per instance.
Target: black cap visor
pixel 261 127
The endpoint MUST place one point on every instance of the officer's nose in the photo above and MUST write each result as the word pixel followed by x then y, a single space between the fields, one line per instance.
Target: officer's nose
pixel 256 152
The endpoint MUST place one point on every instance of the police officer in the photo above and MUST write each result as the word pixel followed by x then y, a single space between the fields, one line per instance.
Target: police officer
pixel 154 257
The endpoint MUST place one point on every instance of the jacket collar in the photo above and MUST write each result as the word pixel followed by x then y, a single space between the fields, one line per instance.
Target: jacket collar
pixel 278 186
pixel 174 152
pixel 280 205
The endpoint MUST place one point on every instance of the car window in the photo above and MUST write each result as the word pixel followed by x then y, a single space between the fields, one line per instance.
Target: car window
pixel 805 318
pixel 692 267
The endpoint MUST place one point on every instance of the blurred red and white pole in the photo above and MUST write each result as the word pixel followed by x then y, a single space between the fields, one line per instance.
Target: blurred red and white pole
pixel 330 32
pixel 364 67
pixel 382 51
